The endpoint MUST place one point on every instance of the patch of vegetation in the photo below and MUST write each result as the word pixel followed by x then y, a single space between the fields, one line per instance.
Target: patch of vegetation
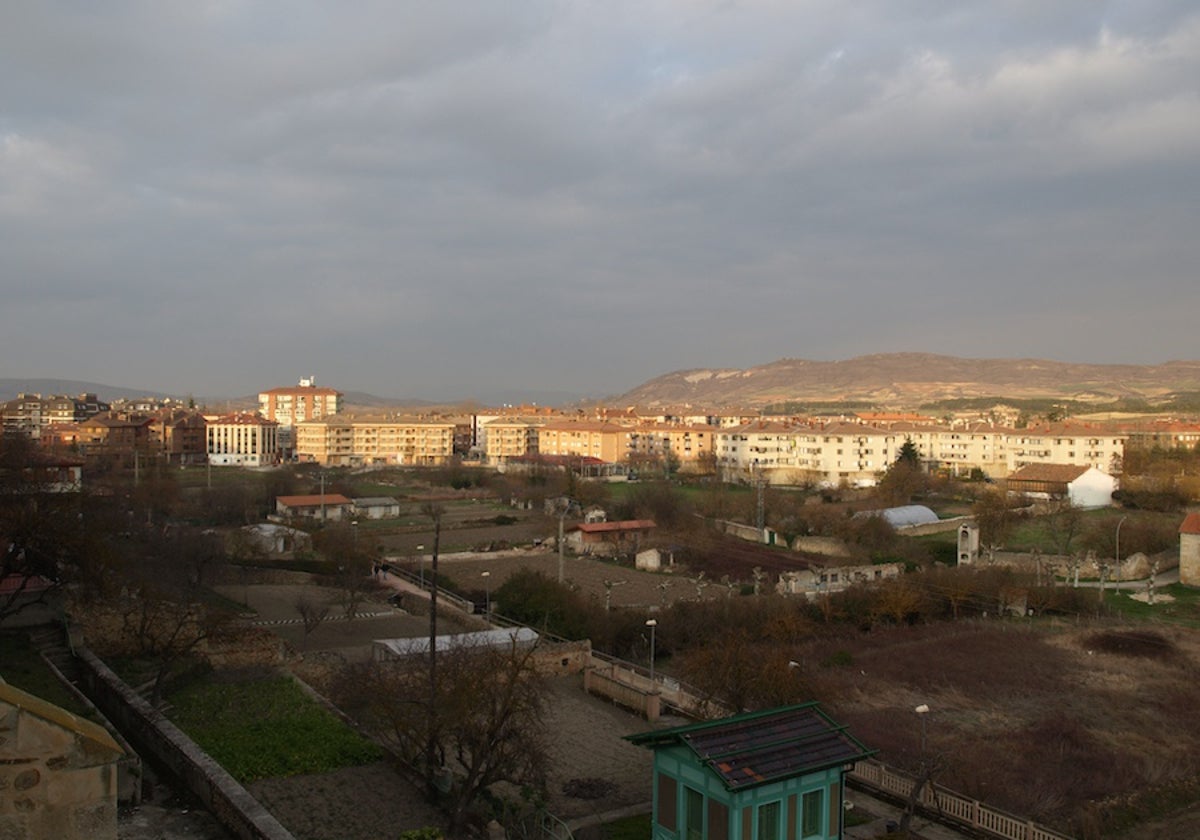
pixel 261 727
pixel 1140 644
pixel 588 788
pixel 20 665
pixel 629 828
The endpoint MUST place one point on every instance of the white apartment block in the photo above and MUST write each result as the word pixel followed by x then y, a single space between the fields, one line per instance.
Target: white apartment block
pixel 1079 446
pixel 344 441
pixel 242 440
pixel 858 455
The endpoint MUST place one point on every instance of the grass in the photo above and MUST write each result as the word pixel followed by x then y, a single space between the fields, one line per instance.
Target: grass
pixel 21 666
pixel 1183 610
pixel 629 828
pixel 264 726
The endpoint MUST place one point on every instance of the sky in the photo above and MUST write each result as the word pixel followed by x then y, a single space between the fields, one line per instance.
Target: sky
pixel 493 199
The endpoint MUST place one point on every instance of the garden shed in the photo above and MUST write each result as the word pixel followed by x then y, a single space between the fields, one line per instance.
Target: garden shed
pixel 765 775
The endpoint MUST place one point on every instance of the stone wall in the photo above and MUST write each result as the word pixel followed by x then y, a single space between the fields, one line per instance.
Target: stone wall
pixel 154 735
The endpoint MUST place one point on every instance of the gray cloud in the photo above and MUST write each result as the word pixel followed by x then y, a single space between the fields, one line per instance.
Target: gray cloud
pixel 408 199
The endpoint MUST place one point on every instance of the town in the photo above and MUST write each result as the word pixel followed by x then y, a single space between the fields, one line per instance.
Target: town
pixel 650 579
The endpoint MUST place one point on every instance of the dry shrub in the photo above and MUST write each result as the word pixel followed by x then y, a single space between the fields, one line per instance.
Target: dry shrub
pixel 1141 644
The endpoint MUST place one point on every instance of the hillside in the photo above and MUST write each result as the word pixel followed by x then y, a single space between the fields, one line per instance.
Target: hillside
pixel 910 379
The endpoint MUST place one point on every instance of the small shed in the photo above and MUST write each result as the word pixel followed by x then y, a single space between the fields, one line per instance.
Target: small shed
pixel 609 537
pixel 377 507
pixel 766 775
pixel 329 506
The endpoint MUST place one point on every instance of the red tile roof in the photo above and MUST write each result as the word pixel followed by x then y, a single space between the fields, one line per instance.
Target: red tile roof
pixel 1191 524
pixel 1063 473
pixel 313 501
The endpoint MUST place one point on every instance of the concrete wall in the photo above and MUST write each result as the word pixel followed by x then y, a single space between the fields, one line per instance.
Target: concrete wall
pixel 1189 559
pixel 154 735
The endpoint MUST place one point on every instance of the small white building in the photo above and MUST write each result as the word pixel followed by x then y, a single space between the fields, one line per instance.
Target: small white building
pixel 377 507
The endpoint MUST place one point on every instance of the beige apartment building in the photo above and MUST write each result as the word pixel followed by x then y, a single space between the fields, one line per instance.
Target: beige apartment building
pixel 604 441
pixel 688 444
pixel 346 441
pixel 504 439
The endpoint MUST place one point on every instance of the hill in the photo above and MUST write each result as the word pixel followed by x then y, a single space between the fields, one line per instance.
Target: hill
pixel 911 379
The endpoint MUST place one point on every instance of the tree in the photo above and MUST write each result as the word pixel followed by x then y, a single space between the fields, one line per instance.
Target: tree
pixel 995 519
pixel 311 611
pixel 486 724
pixel 160 613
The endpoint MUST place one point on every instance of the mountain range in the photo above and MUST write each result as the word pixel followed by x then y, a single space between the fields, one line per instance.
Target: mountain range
pixel 911 379
pixel 894 380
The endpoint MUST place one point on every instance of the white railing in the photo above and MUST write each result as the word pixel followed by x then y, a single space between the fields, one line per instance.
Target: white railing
pixel 969 812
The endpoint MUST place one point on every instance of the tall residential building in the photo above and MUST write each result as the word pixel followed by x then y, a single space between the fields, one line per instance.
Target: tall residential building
pixel 291 406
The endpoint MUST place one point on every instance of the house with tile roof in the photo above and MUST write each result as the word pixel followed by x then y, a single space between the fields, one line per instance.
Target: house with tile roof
pixel 1189 550
pixel 765 775
pixel 1084 487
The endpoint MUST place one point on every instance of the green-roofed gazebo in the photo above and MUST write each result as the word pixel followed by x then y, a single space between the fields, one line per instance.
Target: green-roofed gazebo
pixel 775 774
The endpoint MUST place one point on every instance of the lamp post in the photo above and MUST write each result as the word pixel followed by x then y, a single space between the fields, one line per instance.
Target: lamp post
pixel 922 711
pixel 487 584
pixel 652 623
pixel 354 531
pixel 421 560
pixel 1117 570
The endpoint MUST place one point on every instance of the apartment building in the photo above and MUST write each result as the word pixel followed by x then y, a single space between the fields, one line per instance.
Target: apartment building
pixel 291 406
pixel 686 444
pixel 30 414
pixel 1087 446
pixel 241 440
pixel 584 439
pixel 178 435
pixel 347 441
pixel 502 439
pixel 1162 434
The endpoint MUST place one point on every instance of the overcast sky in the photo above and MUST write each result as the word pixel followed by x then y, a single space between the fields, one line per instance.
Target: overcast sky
pixel 445 200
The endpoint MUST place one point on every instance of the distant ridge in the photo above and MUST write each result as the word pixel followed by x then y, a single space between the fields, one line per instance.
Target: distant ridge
pixel 910 379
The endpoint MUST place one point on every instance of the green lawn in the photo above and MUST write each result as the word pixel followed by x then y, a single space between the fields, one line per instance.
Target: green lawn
pixel 629 828
pixel 1183 609
pixel 266 727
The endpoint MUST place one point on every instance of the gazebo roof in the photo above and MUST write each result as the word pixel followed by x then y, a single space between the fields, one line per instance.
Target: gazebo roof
pixel 759 747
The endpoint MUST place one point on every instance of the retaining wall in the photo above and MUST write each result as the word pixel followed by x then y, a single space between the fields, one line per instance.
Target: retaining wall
pixel 154 735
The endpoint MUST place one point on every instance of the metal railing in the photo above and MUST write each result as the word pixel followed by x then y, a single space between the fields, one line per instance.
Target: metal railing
pixel 935 799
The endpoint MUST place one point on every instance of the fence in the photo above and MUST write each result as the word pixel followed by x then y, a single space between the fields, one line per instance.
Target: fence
pixel 935 799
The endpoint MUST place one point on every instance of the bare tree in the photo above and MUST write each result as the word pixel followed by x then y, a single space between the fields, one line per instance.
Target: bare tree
pixel 995 520
pixel 312 612
pixel 487 720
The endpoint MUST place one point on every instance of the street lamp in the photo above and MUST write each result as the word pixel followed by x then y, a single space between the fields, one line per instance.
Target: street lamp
pixel 421 560
pixel 1117 572
pixel 652 623
pixel 487 583
pixel 922 711
pixel 354 531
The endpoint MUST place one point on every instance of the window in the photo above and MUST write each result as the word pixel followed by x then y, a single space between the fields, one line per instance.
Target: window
pixel 693 827
pixel 768 821
pixel 812 806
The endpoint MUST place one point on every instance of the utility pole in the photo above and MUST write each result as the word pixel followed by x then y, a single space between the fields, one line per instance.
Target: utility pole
pixel 434 511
